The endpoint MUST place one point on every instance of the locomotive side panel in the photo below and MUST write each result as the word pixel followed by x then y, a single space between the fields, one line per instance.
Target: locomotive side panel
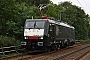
pixel 63 32
pixel 65 35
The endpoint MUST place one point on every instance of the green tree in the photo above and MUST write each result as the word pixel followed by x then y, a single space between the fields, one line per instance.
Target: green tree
pixel 76 17
pixel 34 2
pixel 73 15
pixel 13 16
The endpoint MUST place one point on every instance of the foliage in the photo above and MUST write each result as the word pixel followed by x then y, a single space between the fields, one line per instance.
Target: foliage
pixel 13 17
pixel 8 41
pixel 35 2
pixel 52 11
pixel 13 14
pixel 74 16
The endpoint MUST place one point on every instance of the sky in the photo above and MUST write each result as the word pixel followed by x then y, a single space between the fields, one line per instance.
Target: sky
pixel 84 4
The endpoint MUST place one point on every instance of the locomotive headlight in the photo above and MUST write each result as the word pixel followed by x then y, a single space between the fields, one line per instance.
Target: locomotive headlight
pixel 41 37
pixel 26 37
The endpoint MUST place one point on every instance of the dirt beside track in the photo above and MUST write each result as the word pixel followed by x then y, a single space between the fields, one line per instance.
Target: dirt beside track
pixel 86 57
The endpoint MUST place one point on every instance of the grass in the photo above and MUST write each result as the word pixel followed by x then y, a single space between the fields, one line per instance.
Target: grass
pixel 6 55
pixel 8 41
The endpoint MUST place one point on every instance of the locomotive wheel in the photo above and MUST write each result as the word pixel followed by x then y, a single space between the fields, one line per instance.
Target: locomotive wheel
pixel 59 46
pixel 52 47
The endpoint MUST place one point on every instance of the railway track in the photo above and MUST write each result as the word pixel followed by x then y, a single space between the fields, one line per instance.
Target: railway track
pixel 73 55
pixel 63 54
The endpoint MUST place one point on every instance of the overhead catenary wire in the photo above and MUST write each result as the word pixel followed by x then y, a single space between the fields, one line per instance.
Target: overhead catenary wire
pixel 80 3
pixel 86 3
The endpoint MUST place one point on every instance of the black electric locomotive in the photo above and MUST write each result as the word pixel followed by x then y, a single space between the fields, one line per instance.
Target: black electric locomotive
pixel 47 34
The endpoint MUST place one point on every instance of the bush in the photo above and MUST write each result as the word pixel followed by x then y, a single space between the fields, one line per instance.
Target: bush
pixel 8 41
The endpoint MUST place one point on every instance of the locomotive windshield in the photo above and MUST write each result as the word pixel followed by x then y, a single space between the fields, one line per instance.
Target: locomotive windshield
pixel 35 24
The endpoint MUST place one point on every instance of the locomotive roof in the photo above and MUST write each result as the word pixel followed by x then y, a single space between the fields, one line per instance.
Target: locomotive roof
pixel 37 19
pixel 61 23
pixel 53 21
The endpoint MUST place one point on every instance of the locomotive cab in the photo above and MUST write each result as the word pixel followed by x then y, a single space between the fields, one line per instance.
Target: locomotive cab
pixel 35 33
